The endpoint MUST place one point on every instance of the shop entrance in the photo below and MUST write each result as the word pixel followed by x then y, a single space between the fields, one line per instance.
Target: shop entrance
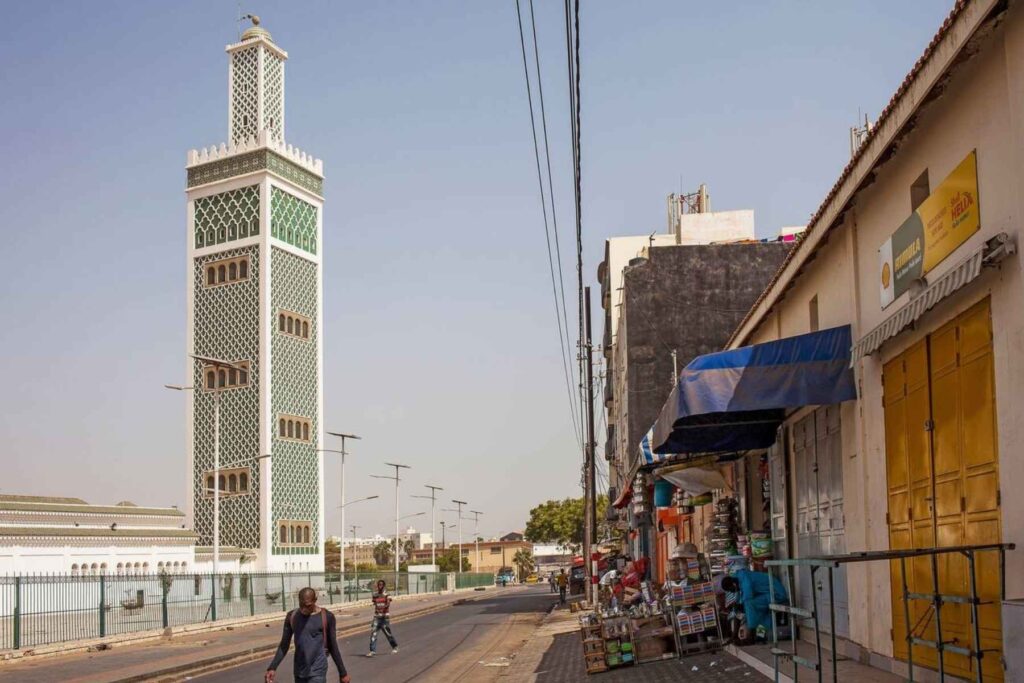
pixel 820 527
pixel 943 480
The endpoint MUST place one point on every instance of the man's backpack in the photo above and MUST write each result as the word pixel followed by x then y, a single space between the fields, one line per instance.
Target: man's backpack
pixel 323 622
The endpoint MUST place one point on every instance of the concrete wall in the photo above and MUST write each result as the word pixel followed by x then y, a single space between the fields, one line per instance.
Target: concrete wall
pixel 980 109
pixel 688 299
pixel 715 226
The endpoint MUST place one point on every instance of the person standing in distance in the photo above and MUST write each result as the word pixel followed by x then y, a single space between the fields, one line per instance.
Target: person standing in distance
pixel 381 619
pixel 315 634
pixel 563 582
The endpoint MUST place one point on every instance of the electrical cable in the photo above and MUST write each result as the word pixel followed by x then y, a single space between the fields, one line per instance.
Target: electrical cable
pixel 562 335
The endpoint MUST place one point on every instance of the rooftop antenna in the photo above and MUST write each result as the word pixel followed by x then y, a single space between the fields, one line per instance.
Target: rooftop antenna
pixel 859 133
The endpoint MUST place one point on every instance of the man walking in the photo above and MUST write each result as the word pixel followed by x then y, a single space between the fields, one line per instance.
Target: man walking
pixel 563 582
pixel 315 633
pixel 381 619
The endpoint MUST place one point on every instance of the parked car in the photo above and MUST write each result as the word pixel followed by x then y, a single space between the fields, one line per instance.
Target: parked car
pixel 504 578
pixel 532 578
pixel 577 579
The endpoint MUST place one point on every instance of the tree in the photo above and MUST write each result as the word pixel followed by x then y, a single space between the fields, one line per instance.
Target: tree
pixel 448 561
pixel 561 521
pixel 523 560
pixel 332 559
pixel 383 553
pixel 407 547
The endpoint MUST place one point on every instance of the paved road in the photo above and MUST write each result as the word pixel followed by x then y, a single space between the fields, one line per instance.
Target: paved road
pixel 467 642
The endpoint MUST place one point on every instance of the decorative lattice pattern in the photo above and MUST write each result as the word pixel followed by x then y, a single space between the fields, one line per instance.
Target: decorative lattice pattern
pixel 293 220
pixel 226 325
pixel 295 387
pixel 244 94
pixel 273 95
pixel 249 162
pixel 227 216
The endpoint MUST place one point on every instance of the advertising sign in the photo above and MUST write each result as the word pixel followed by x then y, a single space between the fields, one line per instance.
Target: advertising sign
pixel 940 224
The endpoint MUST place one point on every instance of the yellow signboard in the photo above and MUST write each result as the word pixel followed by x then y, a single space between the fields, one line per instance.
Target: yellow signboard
pixel 940 224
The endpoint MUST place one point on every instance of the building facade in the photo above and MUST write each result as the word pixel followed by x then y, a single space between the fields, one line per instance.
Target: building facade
pixel 913 249
pixel 254 290
pixel 48 535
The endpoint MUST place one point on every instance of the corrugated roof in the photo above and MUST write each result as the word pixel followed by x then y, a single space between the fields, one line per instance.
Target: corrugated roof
pixel 815 226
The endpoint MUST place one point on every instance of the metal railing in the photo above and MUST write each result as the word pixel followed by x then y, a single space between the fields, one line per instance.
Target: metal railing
pixel 41 610
pixel 936 598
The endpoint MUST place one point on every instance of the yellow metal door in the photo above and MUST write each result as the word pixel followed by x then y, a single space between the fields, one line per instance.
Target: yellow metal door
pixel 967 476
pixel 908 470
pixel 943 480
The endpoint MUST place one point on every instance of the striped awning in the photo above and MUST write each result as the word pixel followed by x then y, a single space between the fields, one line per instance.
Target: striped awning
pixel 955 278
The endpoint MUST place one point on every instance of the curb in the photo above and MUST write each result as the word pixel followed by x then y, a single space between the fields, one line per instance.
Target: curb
pixel 231 660
pixel 11 657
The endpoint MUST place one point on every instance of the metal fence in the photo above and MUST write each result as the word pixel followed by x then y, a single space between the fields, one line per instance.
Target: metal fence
pixel 40 610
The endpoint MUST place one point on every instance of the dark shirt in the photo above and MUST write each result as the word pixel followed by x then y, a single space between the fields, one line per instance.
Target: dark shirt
pixel 381 605
pixel 310 657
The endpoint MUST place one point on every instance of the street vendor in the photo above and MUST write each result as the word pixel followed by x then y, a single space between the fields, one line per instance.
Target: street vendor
pixel 754 592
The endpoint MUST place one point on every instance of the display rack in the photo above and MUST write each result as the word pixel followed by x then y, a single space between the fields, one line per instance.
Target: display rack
pixel 693 607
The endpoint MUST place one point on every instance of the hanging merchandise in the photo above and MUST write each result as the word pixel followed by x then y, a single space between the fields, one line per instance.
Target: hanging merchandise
pixel 722 537
pixel 696 480
pixel 641 499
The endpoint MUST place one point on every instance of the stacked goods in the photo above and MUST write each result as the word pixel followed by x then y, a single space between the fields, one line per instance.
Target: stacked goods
pixel 722 538
pixel 693 570
pixel 641 502
pixel 761 547
pixel 692 594
pixel 697 621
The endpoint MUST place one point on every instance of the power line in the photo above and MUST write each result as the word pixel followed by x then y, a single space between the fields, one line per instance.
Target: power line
pixel 563 335
pixel 551 187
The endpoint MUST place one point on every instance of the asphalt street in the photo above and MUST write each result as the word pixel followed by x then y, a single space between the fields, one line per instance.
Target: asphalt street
pixel 471 641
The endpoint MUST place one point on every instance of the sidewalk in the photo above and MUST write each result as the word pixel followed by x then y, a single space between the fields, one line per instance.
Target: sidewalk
pixel 214 649
pixel 554 654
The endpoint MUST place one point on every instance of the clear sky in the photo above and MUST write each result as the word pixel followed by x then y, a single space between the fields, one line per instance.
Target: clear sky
pixel 441 347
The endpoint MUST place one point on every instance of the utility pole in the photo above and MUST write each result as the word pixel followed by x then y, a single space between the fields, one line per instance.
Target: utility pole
pixel 396 479
pixel 589 488
pixel 460 503
pixel 476 537
pixel 342 453
pixel 433 540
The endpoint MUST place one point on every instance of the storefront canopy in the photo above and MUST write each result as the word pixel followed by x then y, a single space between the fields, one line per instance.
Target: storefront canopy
pixel 735 400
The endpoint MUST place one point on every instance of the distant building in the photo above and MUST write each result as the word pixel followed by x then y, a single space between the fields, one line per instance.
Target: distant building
pixel 512 536
pixel 551 557
pixel 493 554
pixel 40 534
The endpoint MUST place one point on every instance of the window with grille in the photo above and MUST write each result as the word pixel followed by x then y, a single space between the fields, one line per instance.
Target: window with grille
pixel 215 377
pixel 294 428
pixel 293 324
pixel 227 271
pixel 233 481
pixel 294 533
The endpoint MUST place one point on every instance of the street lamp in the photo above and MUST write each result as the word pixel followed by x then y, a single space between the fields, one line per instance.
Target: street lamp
pixel 218 385
pixel 476 537
pixel 341 550
pixel 460 503
pixel 396 478
pixel 433 540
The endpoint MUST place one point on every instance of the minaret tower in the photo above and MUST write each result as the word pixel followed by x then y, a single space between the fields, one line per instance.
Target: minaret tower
pixel 254 291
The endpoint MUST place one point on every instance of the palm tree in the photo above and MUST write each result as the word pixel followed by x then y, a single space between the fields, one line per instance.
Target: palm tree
pixel 383 553
pixel 523 560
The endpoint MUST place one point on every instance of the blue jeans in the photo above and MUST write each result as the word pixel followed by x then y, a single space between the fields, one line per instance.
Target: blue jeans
pixel 381 624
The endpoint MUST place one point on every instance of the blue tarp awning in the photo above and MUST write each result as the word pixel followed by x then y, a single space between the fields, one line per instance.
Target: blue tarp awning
pixel 735 400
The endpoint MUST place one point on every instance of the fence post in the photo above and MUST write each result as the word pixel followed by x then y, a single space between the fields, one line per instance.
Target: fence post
pixel 252 603
pixel 103 607
pixel 213 597
pixel 284 598
pixel 163 601
pixel 17 612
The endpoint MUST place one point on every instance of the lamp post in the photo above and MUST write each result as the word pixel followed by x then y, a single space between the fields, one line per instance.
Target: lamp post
pixel 433 540
pixel 397 478
pixel 341 550
pixel 218 384
pixel 476 537
pixel 460 503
